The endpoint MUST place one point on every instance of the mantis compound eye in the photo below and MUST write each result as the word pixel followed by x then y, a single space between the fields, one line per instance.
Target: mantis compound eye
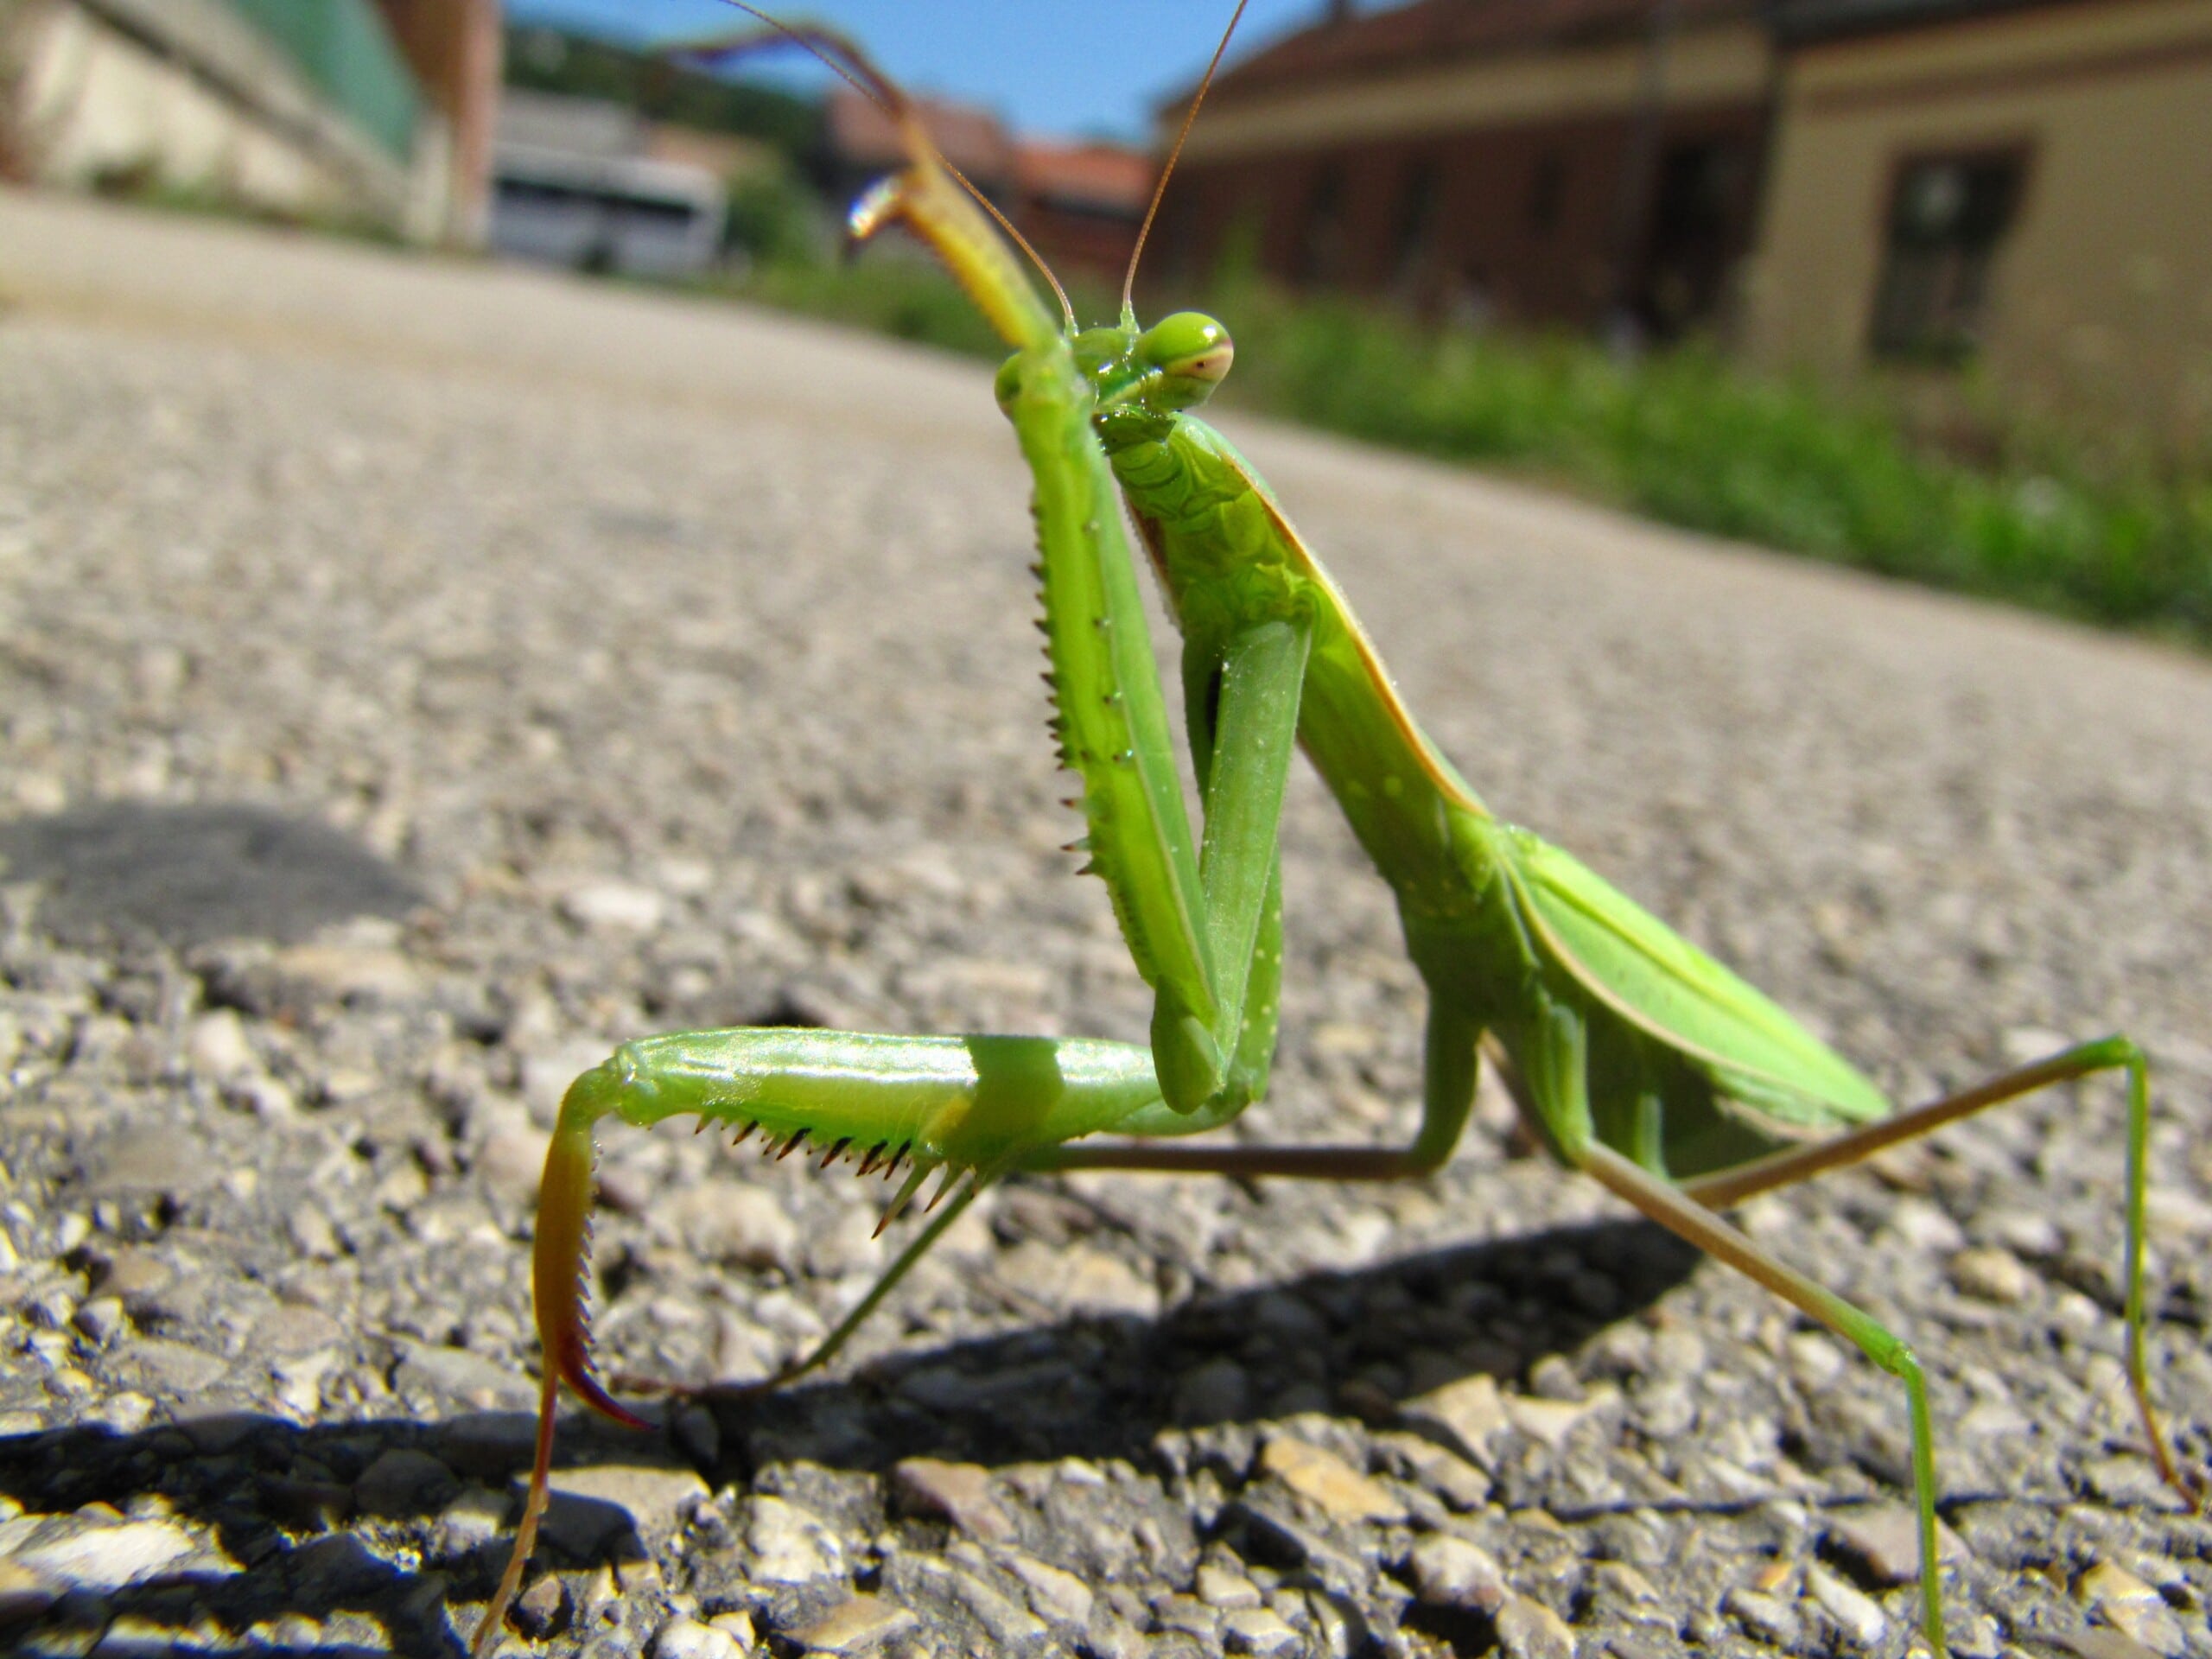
pixel 1191 353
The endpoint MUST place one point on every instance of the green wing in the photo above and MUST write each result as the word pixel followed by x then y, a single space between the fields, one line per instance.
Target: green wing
pixel 1754 1053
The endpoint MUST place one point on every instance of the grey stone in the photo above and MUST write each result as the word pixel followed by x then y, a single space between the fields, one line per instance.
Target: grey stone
pixel 156 1159
pixel 1551 1421
pixel 487 1443
pixel 687 1639
pixel 473 1517
pixel 542 1608
pixel 1222 1588
pixel 1450 1476
pixel 1529 1629
pixel 1217 1391
pixel 740 1225
pixel 1187 1615
pixel 97 1557
pixel 164 1366
pixel 789 1545
pixel 1259 1630
pixel 1883 1542
pixel 1860 1617
pixel 23 1594
pixel 1060 1597
pixel 338 1568
pixel 344 973
pixel 1011 1626
pixel 442 1373
pixel 855 1626
pixel 213 1431
pixel 103 1319
pixel 1463 1415
pixel 1767 1618
pixel 598 1502
pixel 132 1636
pixel 960 1492
pixel 618 906
pixel 1326 1481
pixel 2129 1605
pixel 1993 1274
pixel 403 1482
pixel 1449 1572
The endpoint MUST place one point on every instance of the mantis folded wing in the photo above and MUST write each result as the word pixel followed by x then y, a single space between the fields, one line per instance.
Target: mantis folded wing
pixel 1632 1055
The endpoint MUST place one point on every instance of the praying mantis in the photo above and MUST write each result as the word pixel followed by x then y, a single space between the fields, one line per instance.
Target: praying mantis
pixel 1631 1055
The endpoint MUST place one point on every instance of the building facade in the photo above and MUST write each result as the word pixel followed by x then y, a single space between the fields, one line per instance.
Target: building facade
pixel 1574 162
pixel 375 114
pixel 2023 187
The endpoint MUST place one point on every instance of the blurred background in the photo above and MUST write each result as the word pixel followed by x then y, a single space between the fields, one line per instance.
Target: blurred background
pixel 1921 285
pixel 457 614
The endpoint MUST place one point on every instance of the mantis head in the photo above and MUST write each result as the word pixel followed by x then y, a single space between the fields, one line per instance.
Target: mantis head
pixel 1148 375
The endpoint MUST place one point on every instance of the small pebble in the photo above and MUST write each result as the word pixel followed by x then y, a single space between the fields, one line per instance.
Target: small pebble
pixel 1992 1275
pixel 858 1624
pixel 1767 1618
pixel 1860 1615
pixel 960 1492
pixel 1218 1588
pixel 620 906
pixel 542 1609
pixel 1328 1482
pixel 1883 1542
pixel 1449 1572
pixel 2123 1601
pixel 1259 1630
pixel 1529 1629
pixel 1464 1415
pixel 686 1638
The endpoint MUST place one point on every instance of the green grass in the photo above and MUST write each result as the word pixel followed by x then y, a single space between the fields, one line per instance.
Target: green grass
pixel 2039 517
pixel 2081 525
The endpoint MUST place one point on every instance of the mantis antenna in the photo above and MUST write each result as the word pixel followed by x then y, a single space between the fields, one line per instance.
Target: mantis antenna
pixel 1190 119
pixel 845 60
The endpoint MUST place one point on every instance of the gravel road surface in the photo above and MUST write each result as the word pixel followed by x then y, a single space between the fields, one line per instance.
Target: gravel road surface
pixel 417 676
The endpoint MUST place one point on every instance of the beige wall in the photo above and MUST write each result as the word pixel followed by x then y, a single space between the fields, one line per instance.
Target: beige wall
pixel 1725 64
pixel 86 102
pixel 2102 289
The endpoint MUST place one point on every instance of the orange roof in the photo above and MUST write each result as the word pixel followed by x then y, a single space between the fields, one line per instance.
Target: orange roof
pixel 1096 175
pixel 970 138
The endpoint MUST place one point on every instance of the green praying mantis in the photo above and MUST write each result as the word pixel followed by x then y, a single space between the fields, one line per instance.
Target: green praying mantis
pixel 1631 1055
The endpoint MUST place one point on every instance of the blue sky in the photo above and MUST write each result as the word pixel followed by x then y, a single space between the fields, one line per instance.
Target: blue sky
pixel 1060 66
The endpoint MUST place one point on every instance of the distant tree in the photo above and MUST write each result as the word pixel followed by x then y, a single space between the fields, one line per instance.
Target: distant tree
pixel 778 219
pixel 555 60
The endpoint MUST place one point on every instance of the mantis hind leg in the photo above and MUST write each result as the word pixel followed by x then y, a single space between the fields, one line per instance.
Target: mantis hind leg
pixel 2084 1059
pixel 1675 1210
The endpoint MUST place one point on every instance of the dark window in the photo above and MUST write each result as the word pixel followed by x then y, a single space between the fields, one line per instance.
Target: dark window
pixel 1547 192
pixel 1948 216
pixel 1416 224
pixel 1691 242
pixel 1321 236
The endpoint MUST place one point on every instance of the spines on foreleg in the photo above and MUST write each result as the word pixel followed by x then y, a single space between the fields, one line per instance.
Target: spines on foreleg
pixel 562 1255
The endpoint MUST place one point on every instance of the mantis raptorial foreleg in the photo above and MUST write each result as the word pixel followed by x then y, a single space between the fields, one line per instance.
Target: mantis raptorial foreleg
pixel 1632 1055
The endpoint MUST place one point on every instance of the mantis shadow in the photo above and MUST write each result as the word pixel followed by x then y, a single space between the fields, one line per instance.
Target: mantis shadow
pixel 1355 1342
pixel 308 1519
pixel 189 874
